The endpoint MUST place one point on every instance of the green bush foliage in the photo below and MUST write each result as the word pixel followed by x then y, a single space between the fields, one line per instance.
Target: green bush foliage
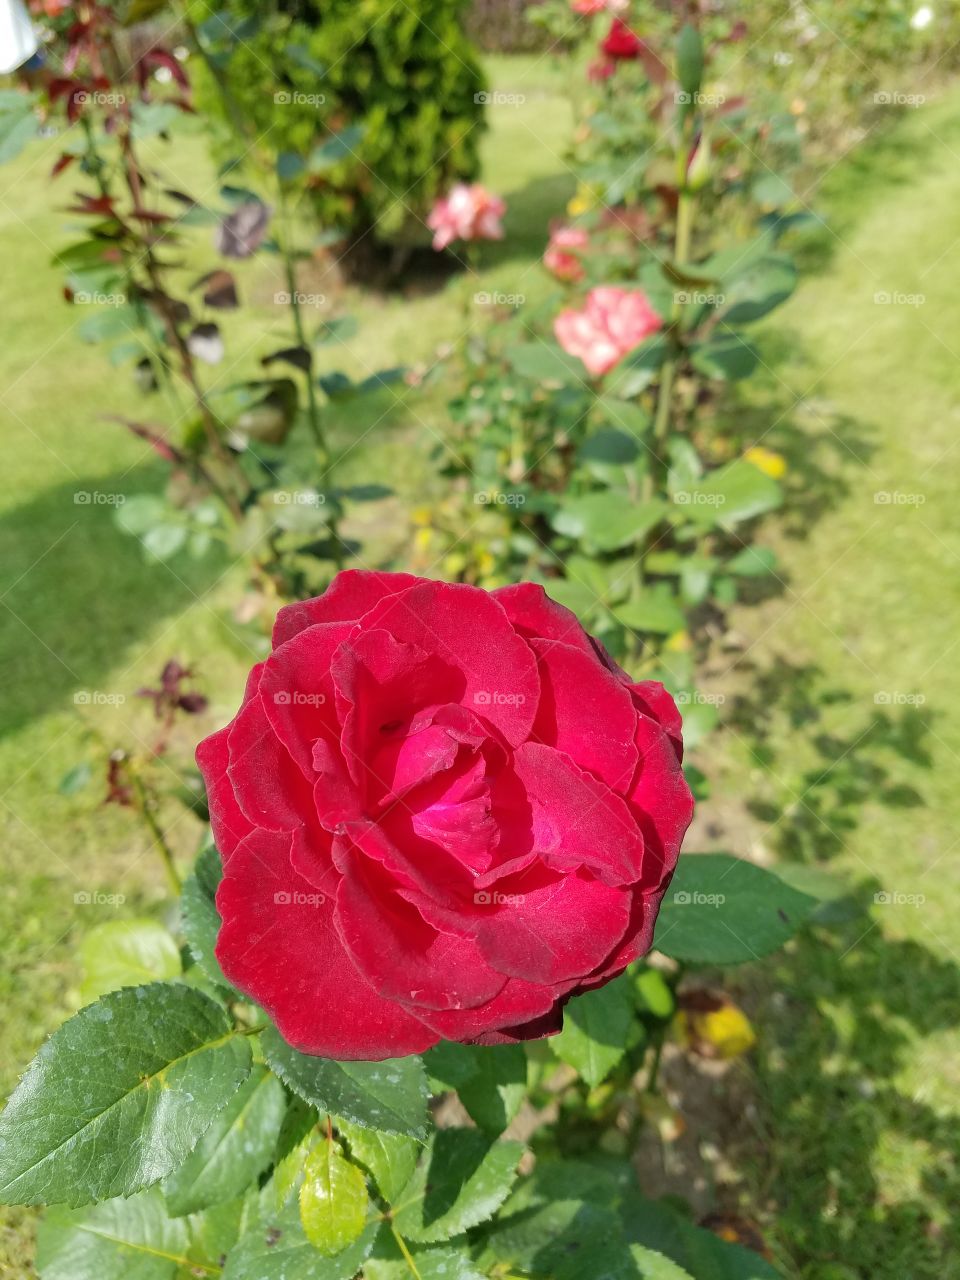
pixel 404 79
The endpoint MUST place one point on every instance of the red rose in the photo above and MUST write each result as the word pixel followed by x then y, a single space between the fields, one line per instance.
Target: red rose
pixel 441 813
pixel 621 42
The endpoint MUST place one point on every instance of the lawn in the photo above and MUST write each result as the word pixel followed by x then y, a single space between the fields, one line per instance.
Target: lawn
pixel 829 754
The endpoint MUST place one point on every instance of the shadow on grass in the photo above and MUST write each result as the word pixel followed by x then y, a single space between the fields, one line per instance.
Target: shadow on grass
pixel 77 592
pixel 846 1008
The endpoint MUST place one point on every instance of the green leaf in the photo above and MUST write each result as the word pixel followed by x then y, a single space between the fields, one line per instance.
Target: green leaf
pixel 758 288
pixel 119 1095
pixel 689 59
pixel 333 1200
pixel 652 992
pixel 126 953
pixel 75 779
pixel 461 1181
pixel 637 370
pixel 654 611
pixel 723 910
pixel 490 1079
pixel 390 1095
pixel 726 356
pixel 658 1226
pixel 545 362
pixel 233 1151
pixel 164 540
pixel 626 415
pixel 753 562
pixel 609 446
pixel 339 146
pixel 739 491
pixel 566 1239
pixel 277 1249
pixel 595 1027
pixel 116 1240
pixel 607 521
pixel 390 1158
pixel 656 1266
pixel 433 1262
pixel 198 913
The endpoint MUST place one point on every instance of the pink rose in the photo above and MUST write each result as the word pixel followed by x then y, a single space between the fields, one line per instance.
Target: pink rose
pixel 560 258
pixel 588 7
pixel 468 212
pixel 612 322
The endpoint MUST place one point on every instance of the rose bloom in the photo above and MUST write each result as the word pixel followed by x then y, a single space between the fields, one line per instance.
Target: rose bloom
pixel 559 258
pixel 612 322
pixel 442 812
pixel 588 7
pixel 620 42
pixel 466 213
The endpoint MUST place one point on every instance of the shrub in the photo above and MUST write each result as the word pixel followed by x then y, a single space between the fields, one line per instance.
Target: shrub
pixel 407 82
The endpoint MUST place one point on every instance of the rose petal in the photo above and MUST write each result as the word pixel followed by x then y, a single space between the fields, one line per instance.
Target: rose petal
pixel 661 801
pixel 586 712
pixel 227 820
pixel 270 789
pixel 352 593
pixel 402 957
pixel 469 631
pixel 298 693
pixel 278 944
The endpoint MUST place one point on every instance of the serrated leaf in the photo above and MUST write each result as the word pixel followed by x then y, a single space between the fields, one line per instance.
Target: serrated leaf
pixel 233 1151
pixel 739 491
pixel 654 611
pixel 119 1095
pixel 490 1080
pixel 656 1266
pixel 461 1181
pixel 723 910
pixel 390 1158
pixel 277 1249
pixel 390 1095
pixel 118 1240
pixel 333 1200
pixel 595 1026
pixel 126 953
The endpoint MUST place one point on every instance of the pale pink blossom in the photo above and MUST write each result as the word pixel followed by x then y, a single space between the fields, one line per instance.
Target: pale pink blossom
pixel 612 322
pixel 561 257
pixel 467 212
pixel 587 7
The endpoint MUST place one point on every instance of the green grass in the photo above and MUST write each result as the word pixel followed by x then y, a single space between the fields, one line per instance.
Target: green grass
pixel 852 1162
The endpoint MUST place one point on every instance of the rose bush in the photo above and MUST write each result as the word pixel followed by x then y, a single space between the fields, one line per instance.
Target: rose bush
pixel 441 812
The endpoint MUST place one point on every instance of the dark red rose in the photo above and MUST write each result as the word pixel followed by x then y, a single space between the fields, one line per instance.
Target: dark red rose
pixel 442 812
pixel 620 42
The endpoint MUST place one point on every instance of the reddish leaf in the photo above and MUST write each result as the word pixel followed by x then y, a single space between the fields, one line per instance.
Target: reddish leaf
pixel 219 289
